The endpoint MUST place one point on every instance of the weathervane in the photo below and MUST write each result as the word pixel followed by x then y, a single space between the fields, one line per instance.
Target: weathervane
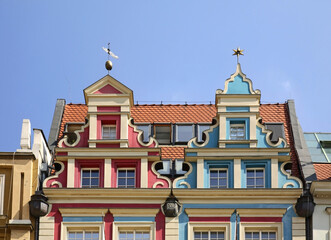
pixel 238 52
pixel 109 64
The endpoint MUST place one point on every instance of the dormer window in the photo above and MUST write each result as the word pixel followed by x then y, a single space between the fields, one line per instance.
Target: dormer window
pixel 184 133
pixel 109 132
pixel 237 131
pixel 163 133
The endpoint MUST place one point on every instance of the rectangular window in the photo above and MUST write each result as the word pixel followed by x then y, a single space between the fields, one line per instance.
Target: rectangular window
pixel 237 131
pixel 134 235
pixel 201 129
pixel 109 132
pixel 2 192
pixel 260 235
pixel 209 235
pixel 126 178
pixel 255 178
pixel 146 132
pixel 90 178
pixel 218 178
pixel 184 133
pixel 162 134
pixel 83 235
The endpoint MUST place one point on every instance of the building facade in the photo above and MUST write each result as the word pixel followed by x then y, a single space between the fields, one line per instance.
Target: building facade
pixel 227 170
pixel 20 177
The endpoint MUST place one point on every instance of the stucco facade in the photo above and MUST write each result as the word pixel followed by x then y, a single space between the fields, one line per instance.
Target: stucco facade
pixel 231 166
pixel 19 179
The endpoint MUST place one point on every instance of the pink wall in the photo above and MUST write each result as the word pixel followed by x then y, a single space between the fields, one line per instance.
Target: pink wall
pixel 152 178
pixel 108 109
pixel 88 163
pixel 123 163
pixel 62 178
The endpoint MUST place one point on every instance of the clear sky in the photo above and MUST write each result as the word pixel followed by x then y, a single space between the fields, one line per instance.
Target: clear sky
pixel 170 51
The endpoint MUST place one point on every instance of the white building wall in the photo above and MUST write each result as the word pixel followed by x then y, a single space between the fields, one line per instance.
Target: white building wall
pixel 321 223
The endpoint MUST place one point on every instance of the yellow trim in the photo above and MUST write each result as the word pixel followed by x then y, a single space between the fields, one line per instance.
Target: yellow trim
pixel 274 173
pixel 73 212
pixel 245 79
pixel 261 226
pixel 67 226
pixel 134 212
pixel 158 175
pixel 265 212
pixel 269 132
pixel 288 175
pixel 208 212
pixel 55 176
pixel 144 173
pixel 184 177
pixel 71 173
pixel 140 135
pixel 237 172
pixel 194 140
pixel 200 173
pixel 209 226
pixel 127 226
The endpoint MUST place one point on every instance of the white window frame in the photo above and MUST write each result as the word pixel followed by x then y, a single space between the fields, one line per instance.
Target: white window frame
pixel 237 125
pixel 261 227
pixel 219 169
pixel 260 233
pixel 133 226
pixel 134 233
pixel 81 177
pixel 184 125
pixel 2 192
pixel 264 179
pixel 209 226
pixel 109 126
pixel 66 227
pixel 135 176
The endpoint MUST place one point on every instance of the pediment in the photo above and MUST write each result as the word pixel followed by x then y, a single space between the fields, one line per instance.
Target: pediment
pixel 107 86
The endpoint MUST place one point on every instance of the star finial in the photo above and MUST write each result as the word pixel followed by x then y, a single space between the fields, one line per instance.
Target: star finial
pixel 238 52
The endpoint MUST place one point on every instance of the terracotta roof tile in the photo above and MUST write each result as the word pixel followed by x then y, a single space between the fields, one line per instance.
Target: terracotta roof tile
pixel 172 152
pixel 73 113
pixel 323 171
pixel 187 113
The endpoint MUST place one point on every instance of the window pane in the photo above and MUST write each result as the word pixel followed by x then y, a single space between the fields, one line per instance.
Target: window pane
pixel 184 133
pixel 162 134
pixel 131 181
pixel 86 173
pixel 259 173
pixel 85 182
pixel 95 173
pixel 130 173
pixel 213 182
pixel 122 173
pixel 121 182
pixel 213 173
pixel 146 132
pixel 95 181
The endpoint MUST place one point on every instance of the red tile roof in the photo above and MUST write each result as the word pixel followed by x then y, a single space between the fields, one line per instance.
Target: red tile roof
pixel 173 113
pixel 72 113
pixel 189 114
pixel 174 152
pixel 323 171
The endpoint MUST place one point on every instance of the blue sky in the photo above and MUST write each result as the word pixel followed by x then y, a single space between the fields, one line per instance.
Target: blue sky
pixel 170 51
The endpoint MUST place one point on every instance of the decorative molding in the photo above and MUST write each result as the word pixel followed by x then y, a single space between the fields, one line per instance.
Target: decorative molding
pixel 88 212
pixel 77 132
pixel 288 176
pixel 211 129
pixel 134 212
pixel 269 132
pixel 140 136
pixel 265 212
pixel 55 176
pixel 2 192
pixel 184 177
pixel 245 79
pixel 209 212
pixel 158 183
pixel 158 175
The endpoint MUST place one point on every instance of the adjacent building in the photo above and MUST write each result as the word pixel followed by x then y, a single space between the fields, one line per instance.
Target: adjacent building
pixel 227 170
pixel 20 176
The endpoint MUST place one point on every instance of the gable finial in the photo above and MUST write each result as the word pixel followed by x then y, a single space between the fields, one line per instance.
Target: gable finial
pixel 238 52
pixel 109 64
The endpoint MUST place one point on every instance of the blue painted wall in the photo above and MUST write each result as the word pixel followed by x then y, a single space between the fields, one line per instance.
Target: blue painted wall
pixel 191 178
pixel 238 86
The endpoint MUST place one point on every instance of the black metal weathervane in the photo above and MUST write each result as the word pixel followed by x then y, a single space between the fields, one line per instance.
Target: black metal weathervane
pixel 109 64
